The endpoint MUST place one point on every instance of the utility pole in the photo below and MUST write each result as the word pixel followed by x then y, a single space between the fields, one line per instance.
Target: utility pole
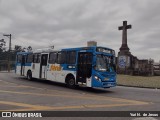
pixel 9 36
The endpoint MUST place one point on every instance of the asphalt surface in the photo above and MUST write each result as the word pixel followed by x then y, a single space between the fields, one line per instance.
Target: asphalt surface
pixel 19 94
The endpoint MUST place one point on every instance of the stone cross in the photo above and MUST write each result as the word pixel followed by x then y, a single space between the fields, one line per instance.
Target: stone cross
pixel 124 35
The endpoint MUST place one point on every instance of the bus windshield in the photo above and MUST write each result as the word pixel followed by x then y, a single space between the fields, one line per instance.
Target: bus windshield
pixel 105 63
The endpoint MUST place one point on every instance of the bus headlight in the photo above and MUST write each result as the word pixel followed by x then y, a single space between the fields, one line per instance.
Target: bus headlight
pixel 97 78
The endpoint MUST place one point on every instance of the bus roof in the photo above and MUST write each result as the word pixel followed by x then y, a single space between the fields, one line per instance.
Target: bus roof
pixel 97 48
pixel 23 53
pixel 87 48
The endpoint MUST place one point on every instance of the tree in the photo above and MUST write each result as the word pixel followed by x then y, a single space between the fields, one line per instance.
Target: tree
pixel 18 48
pixel 2 45
pixel 1 50
pixel 29 49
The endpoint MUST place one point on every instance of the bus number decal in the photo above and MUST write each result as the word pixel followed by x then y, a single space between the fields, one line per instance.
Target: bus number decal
pixel 55 68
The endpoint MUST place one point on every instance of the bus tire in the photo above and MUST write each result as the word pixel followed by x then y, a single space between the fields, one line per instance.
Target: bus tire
pixel 71 82
pixel 29 75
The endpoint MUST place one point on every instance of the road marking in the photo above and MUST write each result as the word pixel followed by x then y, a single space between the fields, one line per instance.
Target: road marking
pixel 128 102
pixel 92 97
pixel 71 95
pixel 16 85
pixel 30 107
pixel 8 82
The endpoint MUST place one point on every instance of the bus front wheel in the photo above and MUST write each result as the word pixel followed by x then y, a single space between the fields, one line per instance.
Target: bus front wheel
pixel 71 82
pixel 29 75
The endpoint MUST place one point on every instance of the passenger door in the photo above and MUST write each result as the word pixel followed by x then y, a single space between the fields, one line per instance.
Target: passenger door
pixel 36 65
pixel 23 64
pixel 84 66
pixel 43 66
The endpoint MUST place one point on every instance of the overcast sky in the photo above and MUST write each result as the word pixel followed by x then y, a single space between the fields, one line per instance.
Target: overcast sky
pixel 71 23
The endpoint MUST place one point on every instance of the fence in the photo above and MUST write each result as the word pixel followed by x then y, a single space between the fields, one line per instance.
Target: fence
pixel 5 65
pixel 7 61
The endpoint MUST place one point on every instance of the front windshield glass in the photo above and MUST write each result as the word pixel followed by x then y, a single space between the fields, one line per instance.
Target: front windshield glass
pixel 105 63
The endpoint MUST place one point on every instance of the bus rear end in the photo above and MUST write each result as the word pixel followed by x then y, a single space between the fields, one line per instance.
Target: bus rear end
pixel 22 63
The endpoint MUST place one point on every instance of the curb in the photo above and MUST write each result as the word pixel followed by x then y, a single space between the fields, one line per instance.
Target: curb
pixel 137 86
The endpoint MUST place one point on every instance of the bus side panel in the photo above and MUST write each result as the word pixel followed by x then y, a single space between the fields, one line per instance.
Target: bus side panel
pixel 18 68
pixel 35 70
pixel 63 74
pixel 56 73
pixel 89 82
pixel 51 75
pixel 28 66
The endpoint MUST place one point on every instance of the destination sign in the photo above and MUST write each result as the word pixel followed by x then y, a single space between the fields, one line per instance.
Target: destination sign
pixel 105 50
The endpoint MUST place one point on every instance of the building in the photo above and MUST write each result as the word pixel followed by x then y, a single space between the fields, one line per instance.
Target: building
pixel 128 63
pixel 156 68
pixel 91 43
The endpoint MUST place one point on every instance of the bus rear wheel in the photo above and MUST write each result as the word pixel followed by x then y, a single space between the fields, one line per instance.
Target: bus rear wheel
pixel 71 82
pixel 29 75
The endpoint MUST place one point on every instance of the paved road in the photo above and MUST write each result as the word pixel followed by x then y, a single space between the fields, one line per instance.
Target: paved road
pixel 19 94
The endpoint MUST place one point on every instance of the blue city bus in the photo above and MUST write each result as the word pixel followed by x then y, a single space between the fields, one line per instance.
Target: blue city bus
pixel 87 66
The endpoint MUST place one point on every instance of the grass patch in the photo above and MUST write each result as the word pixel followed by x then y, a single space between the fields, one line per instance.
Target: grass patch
pixel 139 81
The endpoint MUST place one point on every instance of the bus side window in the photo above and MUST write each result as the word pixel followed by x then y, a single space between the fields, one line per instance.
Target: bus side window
pixel 44 59
pixel 71 57
pixel 19 58
pixel 29 58
pixel 61 59
pixel 53 58
pixel 23 59
pixel 36 58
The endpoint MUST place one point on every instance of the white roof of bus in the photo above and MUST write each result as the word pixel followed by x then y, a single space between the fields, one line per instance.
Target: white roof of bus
pixel 46 50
